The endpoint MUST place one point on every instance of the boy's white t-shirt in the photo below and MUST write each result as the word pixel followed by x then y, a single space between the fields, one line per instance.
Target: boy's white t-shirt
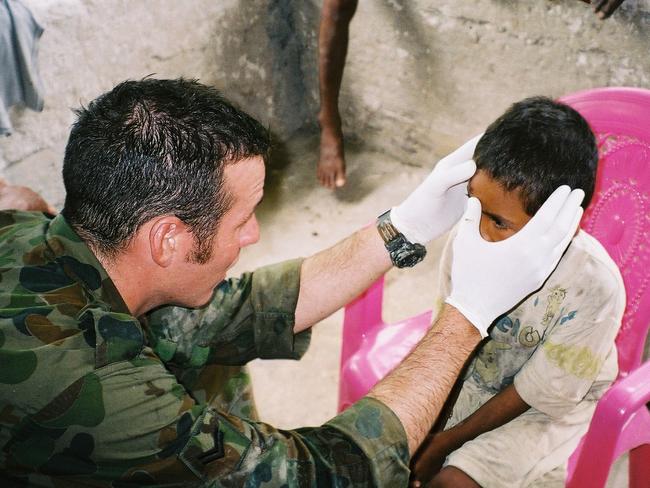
pixel 557 345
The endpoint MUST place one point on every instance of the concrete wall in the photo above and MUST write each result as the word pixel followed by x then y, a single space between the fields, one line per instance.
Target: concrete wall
pixel 422 74
pixel 426 73
pixel 90 45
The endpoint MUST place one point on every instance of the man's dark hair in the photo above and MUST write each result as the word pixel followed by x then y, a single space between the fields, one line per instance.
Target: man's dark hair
pixel 537 145
pixel 150 148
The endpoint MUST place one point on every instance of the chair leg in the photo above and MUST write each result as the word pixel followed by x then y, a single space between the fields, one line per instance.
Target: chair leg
pixel 640 467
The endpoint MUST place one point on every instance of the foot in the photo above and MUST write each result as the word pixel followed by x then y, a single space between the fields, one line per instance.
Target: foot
pixel 331 163
pixel 22 198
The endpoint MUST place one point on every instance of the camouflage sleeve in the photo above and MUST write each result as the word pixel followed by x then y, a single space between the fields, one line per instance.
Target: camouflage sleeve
pixel 248 317
pixel 146 430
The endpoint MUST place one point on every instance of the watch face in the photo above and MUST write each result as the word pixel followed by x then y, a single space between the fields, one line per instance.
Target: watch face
pixel 405 257
pixel 403 253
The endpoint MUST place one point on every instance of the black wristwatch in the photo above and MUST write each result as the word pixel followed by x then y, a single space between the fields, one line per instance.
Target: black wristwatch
pixel 403 253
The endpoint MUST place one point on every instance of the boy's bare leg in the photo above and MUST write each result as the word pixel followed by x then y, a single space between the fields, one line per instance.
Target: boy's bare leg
pixel 333 46
pixel 605 8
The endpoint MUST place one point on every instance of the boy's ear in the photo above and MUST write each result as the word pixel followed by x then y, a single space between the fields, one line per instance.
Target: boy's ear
pixel 168 240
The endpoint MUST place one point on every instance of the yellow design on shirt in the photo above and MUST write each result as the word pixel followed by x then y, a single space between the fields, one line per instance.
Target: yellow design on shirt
pixel 580 361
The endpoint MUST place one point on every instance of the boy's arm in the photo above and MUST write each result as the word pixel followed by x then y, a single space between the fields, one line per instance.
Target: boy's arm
pixel 499 410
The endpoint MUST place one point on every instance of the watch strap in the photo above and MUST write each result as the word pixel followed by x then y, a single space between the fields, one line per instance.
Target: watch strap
pixel 403 253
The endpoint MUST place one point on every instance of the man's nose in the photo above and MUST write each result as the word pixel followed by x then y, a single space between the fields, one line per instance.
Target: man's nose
pixel 250 234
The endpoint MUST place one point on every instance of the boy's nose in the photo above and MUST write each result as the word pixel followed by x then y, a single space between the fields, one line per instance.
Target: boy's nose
pixel 483 228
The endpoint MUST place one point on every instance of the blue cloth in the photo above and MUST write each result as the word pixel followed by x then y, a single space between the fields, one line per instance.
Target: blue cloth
pixel 20 82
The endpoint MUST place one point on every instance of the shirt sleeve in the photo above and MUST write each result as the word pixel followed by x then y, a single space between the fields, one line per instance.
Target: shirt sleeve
pixel 569 360
pixel 250 317
pixel 152 432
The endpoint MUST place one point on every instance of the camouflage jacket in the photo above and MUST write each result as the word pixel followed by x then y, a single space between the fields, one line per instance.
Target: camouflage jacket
pixel 91 396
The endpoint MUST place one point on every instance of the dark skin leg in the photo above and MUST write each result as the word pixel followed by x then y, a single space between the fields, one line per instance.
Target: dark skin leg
pixel 605 8
pixel 336 16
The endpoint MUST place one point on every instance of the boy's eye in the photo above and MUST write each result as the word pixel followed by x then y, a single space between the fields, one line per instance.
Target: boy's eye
pixel 499 224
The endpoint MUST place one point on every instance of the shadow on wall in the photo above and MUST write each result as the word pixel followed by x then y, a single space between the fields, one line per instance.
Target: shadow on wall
pixel 636 13
pixel 265 60
pixel 291 28
pixel 413 39
pixel 373 112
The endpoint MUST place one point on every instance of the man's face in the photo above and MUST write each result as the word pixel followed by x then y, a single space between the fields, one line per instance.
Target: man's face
pixel 503 212
pixel 238 228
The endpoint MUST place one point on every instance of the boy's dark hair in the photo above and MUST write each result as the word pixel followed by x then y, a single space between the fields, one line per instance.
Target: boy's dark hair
pixel 537 145
pixel 149 148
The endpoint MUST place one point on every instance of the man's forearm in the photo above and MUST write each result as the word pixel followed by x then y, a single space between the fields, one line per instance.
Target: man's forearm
pixel 418 388
pixel 332 278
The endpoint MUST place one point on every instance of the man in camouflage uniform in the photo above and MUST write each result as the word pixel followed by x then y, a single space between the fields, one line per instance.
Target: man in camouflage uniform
pixel 121 345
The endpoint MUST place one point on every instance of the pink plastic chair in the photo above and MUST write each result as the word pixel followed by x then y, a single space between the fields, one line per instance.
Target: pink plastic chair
pixel 372 348
pixel 619 217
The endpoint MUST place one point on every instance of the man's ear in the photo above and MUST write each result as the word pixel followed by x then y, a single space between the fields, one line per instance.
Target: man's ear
pixel 168 240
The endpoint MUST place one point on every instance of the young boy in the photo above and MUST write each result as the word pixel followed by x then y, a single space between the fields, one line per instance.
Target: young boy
pixel 530 390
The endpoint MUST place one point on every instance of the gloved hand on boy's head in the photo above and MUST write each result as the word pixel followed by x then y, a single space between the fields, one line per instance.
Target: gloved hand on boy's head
pixel 437 204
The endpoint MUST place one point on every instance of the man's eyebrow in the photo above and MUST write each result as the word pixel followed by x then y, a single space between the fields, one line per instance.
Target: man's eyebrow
pixel 254 209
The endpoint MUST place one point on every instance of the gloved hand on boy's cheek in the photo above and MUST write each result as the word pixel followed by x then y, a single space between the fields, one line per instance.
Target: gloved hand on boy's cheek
pixel 489 278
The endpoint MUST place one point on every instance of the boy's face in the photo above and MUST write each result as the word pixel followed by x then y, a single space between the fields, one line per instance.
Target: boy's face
pixel 503 212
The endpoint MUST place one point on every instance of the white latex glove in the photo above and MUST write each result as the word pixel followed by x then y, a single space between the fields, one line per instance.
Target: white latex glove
pixel 437 204
pixel 489 278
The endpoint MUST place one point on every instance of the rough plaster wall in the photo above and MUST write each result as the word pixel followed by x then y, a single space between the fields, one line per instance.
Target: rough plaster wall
pixel 261 53
pixel 89 46
pixel 253 50
pixel 423 74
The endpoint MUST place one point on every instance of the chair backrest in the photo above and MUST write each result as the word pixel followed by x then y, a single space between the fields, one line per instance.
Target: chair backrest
pixel 619 214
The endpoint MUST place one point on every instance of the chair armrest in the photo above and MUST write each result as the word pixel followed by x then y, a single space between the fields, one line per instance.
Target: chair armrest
pixel 602 443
